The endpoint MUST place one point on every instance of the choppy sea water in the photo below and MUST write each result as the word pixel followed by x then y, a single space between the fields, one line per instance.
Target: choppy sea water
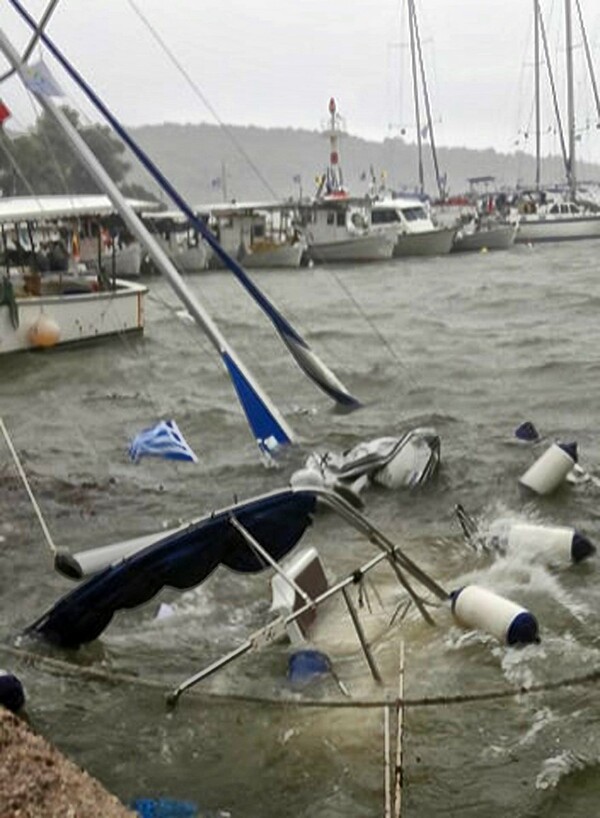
pixel 472 344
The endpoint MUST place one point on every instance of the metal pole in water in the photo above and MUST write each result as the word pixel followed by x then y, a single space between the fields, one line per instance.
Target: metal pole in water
pixel 399 771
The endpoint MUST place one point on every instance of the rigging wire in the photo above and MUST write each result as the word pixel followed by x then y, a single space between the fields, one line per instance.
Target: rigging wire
pixel 195 88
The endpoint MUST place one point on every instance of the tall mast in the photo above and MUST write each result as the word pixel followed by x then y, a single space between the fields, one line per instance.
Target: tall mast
pixel 413 60
pixel 590 65
pixel 438 179
pixel 536 63
pixel 570 100
pixel 561 135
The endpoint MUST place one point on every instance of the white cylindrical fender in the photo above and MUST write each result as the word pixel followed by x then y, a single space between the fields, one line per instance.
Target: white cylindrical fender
pixel 561 543
pixel 480 609
pixel 93 560
pixel 550 470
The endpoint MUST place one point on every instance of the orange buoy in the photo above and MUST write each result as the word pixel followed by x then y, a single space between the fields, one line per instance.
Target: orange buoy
pixel 44 332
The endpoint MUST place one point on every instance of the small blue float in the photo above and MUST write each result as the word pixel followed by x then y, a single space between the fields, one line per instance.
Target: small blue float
pixel 306 665
pixel 12 694
pixel 527 432
pixel 164 808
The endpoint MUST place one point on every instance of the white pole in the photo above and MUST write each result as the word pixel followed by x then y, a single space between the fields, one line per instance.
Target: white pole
pixel 139 230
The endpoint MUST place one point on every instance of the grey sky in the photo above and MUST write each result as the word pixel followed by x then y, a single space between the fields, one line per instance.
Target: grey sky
pixel 277 62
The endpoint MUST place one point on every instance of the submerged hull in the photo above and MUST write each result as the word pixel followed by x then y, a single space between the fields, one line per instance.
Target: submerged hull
pixel 72 318
pixel 374 247
pixel 496 238
pixel 425 243
pixel 559 229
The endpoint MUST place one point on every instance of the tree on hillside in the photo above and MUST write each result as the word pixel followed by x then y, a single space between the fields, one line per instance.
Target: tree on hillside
pixel 43 161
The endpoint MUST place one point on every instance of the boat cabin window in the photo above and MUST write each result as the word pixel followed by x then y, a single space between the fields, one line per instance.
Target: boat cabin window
pixel 358 220
pixel 387 216
pixel 413 214
pixel 307 217
pixel 330 217
pixel 573 208
pixel 258 231
pixel 554 209
pixel 341 218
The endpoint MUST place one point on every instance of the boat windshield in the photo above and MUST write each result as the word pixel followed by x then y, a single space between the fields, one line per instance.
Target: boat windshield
pixel 414 214
pixel 384 215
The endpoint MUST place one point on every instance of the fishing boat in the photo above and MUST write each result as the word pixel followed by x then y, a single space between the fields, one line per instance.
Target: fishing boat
pixel 257 234
pixel 49 295
pixel 337 226
pixel 182 243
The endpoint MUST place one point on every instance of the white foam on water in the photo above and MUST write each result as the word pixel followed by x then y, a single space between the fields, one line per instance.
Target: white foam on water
pixel 557 767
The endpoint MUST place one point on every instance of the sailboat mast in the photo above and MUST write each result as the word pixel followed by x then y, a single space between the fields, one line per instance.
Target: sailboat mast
pixel 438 178
pixel 588 59
pixel 561 135
pixel 536 63
pixel 570 100
pixel 158 255
pixel 413 60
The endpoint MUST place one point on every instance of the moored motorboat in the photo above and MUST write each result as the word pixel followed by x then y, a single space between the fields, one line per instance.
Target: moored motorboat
pixel 485 234
pixel 416 233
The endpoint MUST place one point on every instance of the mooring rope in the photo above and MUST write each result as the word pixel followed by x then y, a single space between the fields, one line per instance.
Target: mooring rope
pixel 23 476
pixel 54 665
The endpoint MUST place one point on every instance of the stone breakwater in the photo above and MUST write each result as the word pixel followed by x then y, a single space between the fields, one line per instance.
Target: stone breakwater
pixel 37 781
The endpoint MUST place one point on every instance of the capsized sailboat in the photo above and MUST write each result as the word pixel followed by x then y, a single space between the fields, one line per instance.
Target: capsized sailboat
pixel 247 537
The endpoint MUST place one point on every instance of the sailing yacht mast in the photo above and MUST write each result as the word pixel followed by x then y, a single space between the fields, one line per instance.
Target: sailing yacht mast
pixel 416 51
pixel 413 60
pixel 269 427
pixel 570 100
pixel 438 179
pixel 536 58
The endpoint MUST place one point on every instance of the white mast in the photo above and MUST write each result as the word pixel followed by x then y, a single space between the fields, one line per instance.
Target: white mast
pixel 158 255
pixel 570 100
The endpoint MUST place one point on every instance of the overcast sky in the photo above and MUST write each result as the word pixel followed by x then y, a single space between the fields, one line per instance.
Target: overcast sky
pixel 277 62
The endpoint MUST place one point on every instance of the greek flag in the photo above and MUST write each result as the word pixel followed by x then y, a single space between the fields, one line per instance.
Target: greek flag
pixel 162 440
pixel 39 80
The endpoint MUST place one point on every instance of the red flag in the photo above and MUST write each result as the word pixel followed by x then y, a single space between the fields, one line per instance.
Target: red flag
pixel 4 113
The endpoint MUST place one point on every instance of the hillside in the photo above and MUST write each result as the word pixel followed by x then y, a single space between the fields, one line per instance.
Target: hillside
pixel 258 163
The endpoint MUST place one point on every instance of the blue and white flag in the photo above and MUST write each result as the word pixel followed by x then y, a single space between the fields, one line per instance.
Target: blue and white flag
pixel 39 80
pixel 162 440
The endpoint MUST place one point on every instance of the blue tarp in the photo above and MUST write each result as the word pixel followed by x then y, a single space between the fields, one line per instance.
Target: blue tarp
pixel 182 560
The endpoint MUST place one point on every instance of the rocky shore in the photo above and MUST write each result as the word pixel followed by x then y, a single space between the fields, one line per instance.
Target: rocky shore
pixel 37 781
